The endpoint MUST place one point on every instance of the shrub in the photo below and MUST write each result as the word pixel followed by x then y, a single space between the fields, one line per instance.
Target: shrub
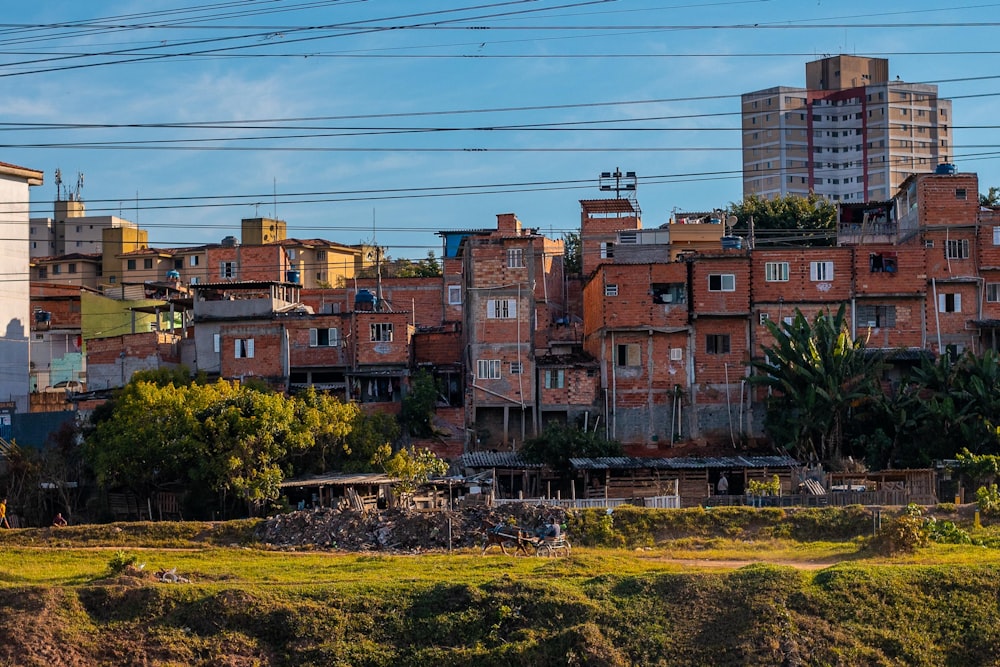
pixel 905 534
pixel 121 561
pixel 988 499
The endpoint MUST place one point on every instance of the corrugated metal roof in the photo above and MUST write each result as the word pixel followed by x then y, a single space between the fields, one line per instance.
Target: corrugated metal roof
pixel 515 460
pixel 340 479
pixel 681 463
pixel 495 460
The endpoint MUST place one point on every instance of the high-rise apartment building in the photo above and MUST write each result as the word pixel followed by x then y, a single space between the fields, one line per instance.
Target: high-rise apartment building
pixel 851 134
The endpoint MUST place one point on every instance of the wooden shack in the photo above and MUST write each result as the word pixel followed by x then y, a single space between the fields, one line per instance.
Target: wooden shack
pixel 884 487
pixel 694 479
pixel 333 489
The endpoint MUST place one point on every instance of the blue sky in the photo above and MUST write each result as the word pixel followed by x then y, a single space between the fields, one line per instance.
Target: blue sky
pixel 348 115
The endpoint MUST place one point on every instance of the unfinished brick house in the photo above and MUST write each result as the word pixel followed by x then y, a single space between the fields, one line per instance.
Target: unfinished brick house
pixel 512 296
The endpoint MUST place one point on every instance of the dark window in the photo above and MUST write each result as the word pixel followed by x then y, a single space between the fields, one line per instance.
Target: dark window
pixel 717 343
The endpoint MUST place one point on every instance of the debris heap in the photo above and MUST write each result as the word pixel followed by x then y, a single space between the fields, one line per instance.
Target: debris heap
pixel 397 530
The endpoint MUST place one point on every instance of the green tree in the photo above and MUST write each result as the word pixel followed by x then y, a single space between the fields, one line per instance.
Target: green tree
pixel 249 434
pixel 991 199
pixel 368 433
pixel 957 404
pixel 330 420
pixel 572 253
pixel 411 466
pixel 792 220
pixel 229 439
pixel 819 377
pixel 558 443
pixel 417 411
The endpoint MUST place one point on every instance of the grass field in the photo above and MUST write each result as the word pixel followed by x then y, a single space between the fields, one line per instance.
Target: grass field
pixel 740 596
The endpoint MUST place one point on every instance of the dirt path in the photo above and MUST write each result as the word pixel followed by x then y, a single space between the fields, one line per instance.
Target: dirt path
pixel 736 564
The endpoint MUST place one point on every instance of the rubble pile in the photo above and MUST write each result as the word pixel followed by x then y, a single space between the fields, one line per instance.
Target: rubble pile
pixel 397 530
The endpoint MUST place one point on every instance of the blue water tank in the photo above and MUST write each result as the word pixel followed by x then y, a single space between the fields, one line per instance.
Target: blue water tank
pixel 292 276
pixel 732 243
pixel 173 275
pixel 946 168
pixel 364 300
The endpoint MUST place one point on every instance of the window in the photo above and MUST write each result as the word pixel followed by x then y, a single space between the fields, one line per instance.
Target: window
pixel 993 292
pixel 178 264
pixel 488 369
pixel 56 269
pixel 130 264
pixel 776 272
pixel 515 258
pixel 555 378
pixel 627 355
pixel 321 255
pixel 607 250
pixel 244 348
pixel 324 337
pixel 820 271
pixel 71 268
pixel 381 332
pixel 43 272
pixel 957 249
pixel 882 262
pixel 502 309
pixel 216 342
pixel 949 303
pixel 516 368
pixel 996 236
pixel 876 316
pixel 669 293
pixel 454 295
pixel 717 343
pixel 960 193
pixel 721 282
pixel 227 269
pixel 611 290
pixel 147 263
pixel 194 260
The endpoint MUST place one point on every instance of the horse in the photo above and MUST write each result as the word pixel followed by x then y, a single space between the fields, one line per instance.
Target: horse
pixel 503 536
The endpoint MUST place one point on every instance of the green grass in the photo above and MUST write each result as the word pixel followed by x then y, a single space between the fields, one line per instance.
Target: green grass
pixel 654 602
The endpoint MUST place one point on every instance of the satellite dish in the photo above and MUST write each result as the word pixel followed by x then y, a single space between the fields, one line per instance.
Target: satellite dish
pixel 731 221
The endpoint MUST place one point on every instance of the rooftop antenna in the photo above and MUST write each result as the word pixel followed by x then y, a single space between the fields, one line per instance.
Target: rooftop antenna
pixel 58 184
pixel 79 184
pixel 618 182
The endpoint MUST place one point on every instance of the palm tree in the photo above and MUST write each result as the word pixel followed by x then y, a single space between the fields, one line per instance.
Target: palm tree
pixel 818 378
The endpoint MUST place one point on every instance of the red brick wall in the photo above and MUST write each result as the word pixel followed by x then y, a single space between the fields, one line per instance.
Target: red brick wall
pixel 267 362
pixel 706 301
pixel 594 231
pixel 394 352
pixel 581 387
pixel 800 287
pixel 438 347
pixel 264 262
pixel 302 354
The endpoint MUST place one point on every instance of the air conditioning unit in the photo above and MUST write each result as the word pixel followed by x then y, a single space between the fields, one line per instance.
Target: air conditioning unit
pixel 676 353
pixel 764 317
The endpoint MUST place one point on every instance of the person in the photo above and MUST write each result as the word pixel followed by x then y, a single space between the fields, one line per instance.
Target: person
pixel 59 520
pixel 3 513
pixel 723 485
pixel 554 529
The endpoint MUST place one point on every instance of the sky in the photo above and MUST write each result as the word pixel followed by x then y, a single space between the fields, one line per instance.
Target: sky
pixel 386 120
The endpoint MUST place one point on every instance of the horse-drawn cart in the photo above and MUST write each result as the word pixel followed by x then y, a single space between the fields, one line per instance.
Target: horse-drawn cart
pixel 520 540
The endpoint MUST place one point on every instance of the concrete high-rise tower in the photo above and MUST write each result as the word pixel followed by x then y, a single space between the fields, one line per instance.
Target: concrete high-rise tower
pixel 851 134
